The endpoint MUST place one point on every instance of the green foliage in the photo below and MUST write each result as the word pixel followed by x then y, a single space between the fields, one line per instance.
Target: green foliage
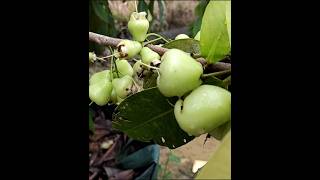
pixel 199 11
pixel 100 21
pixel 187 45
pixel 214 42
pixel 148 116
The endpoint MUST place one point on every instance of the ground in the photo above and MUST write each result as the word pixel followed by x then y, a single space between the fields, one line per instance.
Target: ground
pixel 181 159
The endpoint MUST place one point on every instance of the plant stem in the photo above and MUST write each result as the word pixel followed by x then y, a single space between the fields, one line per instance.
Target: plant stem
pixel 158 35
pixel 146 64
pixel 90 103
pixel 217 73
pixel 154 40
pixel 135 3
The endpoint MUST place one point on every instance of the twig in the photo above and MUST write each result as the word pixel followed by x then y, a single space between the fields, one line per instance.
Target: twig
pixel 110 41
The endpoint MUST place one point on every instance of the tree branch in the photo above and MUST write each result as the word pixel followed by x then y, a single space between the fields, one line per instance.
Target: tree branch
pixel 110 41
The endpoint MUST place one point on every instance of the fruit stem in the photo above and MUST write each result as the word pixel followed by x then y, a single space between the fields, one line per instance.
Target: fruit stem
pixel 158 35
pixel 154 40
pixel 217 73
pixel 146 65
pixel 135 3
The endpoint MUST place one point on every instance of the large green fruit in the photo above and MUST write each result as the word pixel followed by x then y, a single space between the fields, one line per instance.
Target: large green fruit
pixel 179 73
pixel 100 92
pixel 203 110
pixel 147 55
pixel 128 49
pixel 104 76
pixel 138 26
pixel 124 68
pixel 122 86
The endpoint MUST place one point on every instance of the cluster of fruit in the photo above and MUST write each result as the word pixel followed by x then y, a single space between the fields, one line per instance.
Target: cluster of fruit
pixel 200 108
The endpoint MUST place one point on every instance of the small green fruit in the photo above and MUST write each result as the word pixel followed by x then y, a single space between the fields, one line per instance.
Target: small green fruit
pixel 197 37
pixel 92 57
pixel 138 26
pixel 100 92
pixel 100 76
pixel 138 68
pixel 128 49
pixel 113 96
pixel 124 68
pixel 182 36
pixel 203 110
pixel 122 86
pixel 179 73
pixel 147 55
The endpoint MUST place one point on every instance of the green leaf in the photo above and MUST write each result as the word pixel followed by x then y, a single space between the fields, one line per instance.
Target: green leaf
pixel 188 45
pixel 150 80
pixel 221 131
pixel 214 42
pixel 91 124
pixel 161 5
pixel 102 11
pixel 101 22
pixel 228 19
pixel 142 6
pixel 148 116
pixel 215 81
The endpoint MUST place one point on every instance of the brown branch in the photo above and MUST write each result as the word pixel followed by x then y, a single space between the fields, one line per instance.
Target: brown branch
pixel 110 41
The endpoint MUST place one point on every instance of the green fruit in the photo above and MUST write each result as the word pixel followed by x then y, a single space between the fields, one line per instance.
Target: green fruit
pixel 179 73
pixel 128 49
pixel 203 110
pixel 100 76
pixel 124 68
pixel 138 68
pixel 138 26
pixel 113 96
pixel 147 55
pixel 182 36
pixel 100 92
pixel 92 57
pixel 197 37
pixel 122 86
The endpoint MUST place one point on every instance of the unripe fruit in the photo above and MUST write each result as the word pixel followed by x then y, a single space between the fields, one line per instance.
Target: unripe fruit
pixel 182 36
pixel 138 68
pixel 92 57
pixel 100 92
pixel 100 76
pixel 179 73
pixel 128 49
pixel 203 110
pixel 113 96
pixel 124 68
pixel 197 37
pixel 122 86
pixel 138 26
pixel 147 55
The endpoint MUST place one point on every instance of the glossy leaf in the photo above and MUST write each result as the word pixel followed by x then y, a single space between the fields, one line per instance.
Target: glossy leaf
pixel 188 45
pixel 148 116
pixel 214 42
